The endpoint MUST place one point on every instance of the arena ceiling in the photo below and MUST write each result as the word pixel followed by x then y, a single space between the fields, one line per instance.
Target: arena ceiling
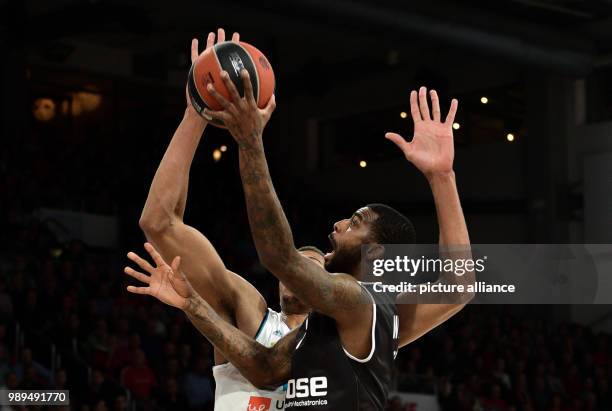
pixel 569 36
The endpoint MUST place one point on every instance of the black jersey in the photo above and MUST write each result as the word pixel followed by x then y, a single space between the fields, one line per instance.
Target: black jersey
pixel 326 377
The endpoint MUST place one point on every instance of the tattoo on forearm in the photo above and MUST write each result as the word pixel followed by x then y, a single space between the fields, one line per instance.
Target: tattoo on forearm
pixel 274 240
pixel 246 354
pixel 256 362
pixel 269 226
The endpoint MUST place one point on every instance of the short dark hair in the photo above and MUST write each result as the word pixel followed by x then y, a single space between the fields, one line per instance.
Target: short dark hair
pixel 312 248
pixel 391 226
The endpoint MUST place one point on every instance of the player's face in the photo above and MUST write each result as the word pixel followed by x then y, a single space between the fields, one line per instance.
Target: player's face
pixel 290 304
pixel 346 241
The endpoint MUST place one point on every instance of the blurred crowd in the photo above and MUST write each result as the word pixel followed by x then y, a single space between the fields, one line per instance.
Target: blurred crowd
pixel 501 359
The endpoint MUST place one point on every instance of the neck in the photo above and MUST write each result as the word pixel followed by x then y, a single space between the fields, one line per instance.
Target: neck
pixel 294 320
pixel 355 272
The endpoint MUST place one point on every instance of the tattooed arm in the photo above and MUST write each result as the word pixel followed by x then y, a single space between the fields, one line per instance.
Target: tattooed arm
pixel 262 366
pixel 329 294
pixel 336 295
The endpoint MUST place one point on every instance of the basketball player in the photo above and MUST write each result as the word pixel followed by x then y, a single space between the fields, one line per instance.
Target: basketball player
pixel 341 357
pixel 233 298
pixel 343 354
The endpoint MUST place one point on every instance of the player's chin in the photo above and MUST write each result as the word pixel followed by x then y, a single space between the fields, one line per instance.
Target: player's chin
pixel 330 261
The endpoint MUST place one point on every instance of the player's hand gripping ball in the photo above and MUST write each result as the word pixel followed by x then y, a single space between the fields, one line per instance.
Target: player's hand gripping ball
pixel 231 57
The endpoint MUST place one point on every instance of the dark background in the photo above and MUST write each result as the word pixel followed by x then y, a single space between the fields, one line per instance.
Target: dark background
pixel 92 91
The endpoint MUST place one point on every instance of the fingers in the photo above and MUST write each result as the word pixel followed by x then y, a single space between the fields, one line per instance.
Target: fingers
pixel 142 263
pixel 233 92
pixel 414 107
pixel 423 106
pixel 397 139
pixel 194 49
pixel 221 116
pixel 137 275
pixel 269 108
pixel 248 86
pixel 159 261
pixel 176 264
pixel 220 99
pixel 435 105
pixel 210 40
pixel 450 117
pixel 139 290
pixel 399 142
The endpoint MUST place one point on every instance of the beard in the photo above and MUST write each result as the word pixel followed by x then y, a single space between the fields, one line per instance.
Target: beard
pixel 343 260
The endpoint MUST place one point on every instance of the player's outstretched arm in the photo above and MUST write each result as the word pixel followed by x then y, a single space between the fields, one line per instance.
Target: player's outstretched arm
pixel 262 366
pixel 432 152
pixel 334 295
pixel 162 221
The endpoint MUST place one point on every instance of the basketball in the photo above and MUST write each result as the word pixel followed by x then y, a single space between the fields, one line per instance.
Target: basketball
pixel 231 57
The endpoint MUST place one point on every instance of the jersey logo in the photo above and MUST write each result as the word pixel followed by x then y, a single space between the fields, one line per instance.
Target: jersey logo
pixel 259 404
pixel 307 387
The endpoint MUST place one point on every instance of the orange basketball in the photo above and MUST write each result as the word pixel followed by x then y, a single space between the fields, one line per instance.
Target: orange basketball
pixel 231 57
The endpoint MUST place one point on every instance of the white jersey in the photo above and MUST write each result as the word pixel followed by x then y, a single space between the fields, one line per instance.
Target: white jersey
pixel 236 393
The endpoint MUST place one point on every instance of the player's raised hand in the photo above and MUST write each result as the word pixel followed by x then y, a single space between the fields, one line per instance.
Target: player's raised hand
pixel 431 149
pixel 210 42
pixel 244 120
pixel 164 282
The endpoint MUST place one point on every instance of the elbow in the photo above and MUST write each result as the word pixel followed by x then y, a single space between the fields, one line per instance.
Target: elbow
pixel 262 383
pixel 263 378
pixel 152 225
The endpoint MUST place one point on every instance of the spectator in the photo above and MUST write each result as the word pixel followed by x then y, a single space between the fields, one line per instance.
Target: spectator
pixel 100 388
pixel 60 381
pixel 198 386
pixel 501 375
pixel 4 363
pixel 99 344
pixel 494 402
pixel 171 397
pixel 120 403
pixel 138 377
pixel 6 303
pixel 35 372
pixel 11 382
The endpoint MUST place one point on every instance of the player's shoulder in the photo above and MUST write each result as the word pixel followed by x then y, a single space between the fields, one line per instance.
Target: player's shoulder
pixel 274 316
pixel 272 328
pixel 384 302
